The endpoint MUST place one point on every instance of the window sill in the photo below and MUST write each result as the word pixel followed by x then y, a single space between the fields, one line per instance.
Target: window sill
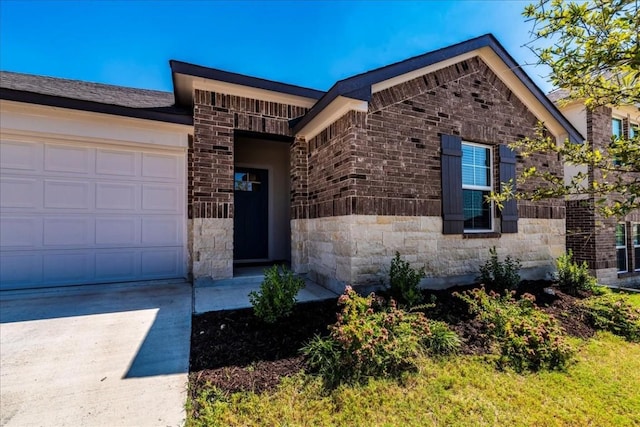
pixel 487 235
pixel 628 274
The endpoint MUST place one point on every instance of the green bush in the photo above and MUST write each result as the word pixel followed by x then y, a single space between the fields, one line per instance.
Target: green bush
pixel 441 340
pixel 614 313
pixel 277 295
pixel 404 281
pixel 528 339
pixel 500 275
pixel 574 277
pixel 373 339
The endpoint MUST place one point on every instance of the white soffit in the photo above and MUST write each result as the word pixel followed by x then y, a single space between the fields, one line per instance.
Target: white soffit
pixel 386 84
pixel 337 108
pixel 250 92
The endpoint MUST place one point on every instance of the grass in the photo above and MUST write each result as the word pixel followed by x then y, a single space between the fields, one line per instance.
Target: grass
pixel 600 388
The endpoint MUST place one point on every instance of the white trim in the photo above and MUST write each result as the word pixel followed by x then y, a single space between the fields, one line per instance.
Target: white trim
pixel 337 108
pixel 622 247
pixel 636 261
pixel 251 92
pixel 482 188
pixel 386 84
pixel 28 122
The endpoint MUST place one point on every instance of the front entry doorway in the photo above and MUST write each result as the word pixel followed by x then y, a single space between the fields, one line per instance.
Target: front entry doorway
pixel 251 214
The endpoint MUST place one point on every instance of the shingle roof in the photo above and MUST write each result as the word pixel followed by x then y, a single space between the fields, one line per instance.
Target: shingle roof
pixel 557 94
pixel 97 97
pixel 359 86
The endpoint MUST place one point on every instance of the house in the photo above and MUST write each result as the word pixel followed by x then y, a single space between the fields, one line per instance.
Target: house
pixel 610 246
pixel 105 184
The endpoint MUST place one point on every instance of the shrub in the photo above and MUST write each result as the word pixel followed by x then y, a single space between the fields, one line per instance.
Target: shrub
pixel 373 339
pixel 528 339
pixel 441 340
pixel 500 275
pixel 404 281
pixel 614 313
pixel 277 295
pixel 574 277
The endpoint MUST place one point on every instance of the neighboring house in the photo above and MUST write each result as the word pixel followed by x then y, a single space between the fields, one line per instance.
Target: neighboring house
pixel 610 246
pixel 104 184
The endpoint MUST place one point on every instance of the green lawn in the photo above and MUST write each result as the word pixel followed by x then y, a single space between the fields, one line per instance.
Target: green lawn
pixel 602 388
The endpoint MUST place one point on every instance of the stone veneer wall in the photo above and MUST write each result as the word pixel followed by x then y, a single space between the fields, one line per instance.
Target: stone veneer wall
pixel 210 172
pixel 357 249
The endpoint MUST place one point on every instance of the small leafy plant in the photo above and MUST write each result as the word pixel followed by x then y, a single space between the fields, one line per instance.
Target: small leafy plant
pixel 277 295
pixel 500 275
pixel 374 339
pixel 404 281
pixel 614 313
pixel 574 277
pixel 528 339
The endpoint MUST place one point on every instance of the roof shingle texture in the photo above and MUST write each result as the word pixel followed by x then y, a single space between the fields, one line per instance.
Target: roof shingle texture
pixel 86 91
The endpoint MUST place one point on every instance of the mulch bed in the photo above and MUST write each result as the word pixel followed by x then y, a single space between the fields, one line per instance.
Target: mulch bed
pixel 235 351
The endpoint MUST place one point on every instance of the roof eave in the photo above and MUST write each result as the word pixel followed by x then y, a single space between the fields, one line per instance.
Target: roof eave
pixel 95 107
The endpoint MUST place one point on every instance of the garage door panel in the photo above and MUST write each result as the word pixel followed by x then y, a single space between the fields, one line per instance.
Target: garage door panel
pixel 118 196
pixel 160 198
pixel 21 269
pixel 160 231
pixel 60 158
pixel 24 193
pixel 24 156
pixel 20 232
pixel 118 231
pixel 117 265
pixel 69 267
pixel 118 163
pixel 160 166
pixel 67 194
pixel 71 231
pixel 161 263
pixel 81 214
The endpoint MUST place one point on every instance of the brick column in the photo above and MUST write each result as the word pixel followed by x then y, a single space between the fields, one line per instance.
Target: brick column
pixel 210 191
pixel 299 162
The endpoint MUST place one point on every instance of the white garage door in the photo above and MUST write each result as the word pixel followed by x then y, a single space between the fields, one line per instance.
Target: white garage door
pixel 72 214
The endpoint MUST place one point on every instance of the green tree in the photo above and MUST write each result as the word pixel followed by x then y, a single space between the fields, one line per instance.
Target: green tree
pixel 592 49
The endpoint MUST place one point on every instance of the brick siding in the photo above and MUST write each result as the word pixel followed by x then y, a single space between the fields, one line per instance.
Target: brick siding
pixel 387 161
pixel 211 160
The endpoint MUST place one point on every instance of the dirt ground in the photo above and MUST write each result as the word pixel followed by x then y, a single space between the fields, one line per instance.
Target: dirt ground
pixel 235 351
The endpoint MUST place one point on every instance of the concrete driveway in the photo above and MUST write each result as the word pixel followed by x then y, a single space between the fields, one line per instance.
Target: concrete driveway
pixel 113 355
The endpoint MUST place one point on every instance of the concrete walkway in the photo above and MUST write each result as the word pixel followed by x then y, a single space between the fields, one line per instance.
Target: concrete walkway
pixel 113 355
pixel 230 294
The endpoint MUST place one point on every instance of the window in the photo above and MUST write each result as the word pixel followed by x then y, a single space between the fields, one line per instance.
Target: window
pixel 621 247
pixel 634 130
pixel 467 174
pixel 476 185
pixel 616 128
pixel 636 246
pixel 245 181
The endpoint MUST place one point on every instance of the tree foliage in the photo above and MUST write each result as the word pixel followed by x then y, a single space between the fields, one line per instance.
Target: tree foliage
pixel 592 49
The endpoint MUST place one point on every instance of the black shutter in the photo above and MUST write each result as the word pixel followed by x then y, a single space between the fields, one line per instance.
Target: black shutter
pixel 451 156
pixel 509 213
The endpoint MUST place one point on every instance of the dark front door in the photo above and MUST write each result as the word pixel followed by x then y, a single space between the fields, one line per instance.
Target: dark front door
pixel 250 217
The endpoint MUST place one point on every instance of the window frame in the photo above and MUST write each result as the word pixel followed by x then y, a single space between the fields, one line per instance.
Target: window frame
pixel 621 121
pixel 488 188
pixel 635 242
pixel 622 247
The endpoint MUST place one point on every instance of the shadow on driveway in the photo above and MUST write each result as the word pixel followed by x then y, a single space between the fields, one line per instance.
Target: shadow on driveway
pixel 110 355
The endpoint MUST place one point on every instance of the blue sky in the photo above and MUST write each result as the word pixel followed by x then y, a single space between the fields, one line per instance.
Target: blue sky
pixel 308 43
